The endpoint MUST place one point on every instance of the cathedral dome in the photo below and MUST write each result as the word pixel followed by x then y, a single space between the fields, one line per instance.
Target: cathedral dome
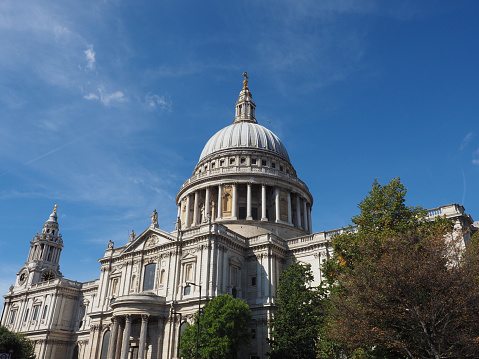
pixel 244 135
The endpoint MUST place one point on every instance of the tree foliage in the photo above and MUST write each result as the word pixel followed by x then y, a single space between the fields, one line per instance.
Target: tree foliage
pixel 298 320
pixel 224 329
pixel 403 286
pixel 21 346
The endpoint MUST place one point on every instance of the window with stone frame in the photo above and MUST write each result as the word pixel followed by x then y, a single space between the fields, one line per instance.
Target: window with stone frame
pixel 149 277
pixel 12 316
pixel 36 308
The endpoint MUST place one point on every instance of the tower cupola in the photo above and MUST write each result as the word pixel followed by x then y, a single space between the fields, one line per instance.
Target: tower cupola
pixel 45 249
pixel 245 106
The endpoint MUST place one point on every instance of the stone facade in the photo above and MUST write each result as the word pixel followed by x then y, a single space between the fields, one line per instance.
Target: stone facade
pixel 242 216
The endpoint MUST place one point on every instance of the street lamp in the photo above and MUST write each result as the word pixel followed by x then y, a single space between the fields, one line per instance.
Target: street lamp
pixel 187 291
pixel 172 312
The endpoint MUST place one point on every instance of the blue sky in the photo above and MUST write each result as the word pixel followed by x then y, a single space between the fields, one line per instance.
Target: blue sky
pixel 105 107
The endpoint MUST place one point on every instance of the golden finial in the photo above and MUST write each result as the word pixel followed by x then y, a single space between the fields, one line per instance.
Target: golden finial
pixel 245 82
pixel 55 209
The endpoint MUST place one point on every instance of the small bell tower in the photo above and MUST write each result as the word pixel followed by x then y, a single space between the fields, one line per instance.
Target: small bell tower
pixel 43 259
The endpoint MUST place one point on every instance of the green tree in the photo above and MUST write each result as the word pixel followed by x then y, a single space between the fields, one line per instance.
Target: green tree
pixel 21 346
pixel 400 285
pixel 224 329
pixel 299 317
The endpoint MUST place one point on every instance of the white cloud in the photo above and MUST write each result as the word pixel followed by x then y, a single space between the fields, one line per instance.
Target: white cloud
pixel 90 57
pixel 475 157
pixel 91 96
pixel 154 101
pixel 117 96
pixel 106 98
pixel 466 140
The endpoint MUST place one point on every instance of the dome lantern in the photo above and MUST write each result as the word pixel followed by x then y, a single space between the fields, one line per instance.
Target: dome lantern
pixel 245 106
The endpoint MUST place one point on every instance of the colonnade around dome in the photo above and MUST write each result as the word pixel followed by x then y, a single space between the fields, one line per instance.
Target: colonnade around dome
pixel 249 202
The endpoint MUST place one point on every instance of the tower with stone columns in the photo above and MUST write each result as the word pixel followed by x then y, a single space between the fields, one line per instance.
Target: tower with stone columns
pixel 244 180
pixel 44 256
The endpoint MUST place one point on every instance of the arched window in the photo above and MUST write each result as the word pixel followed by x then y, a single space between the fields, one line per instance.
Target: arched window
pixel 104 345
pixel 149 279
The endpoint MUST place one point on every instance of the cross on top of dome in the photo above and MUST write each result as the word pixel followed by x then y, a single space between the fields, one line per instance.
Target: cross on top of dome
pixel 245 82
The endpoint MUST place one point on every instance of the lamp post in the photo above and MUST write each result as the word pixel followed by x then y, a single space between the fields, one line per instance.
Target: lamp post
pixel 172 312
pixel 186 292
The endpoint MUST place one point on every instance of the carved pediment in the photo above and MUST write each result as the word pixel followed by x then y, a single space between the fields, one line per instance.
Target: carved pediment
pixel 188 257
pixel 150 238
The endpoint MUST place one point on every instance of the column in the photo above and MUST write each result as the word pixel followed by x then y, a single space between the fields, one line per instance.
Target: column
pixel 267 278
pixel 113 339
pixel 248 202
pixel 263 203
pixel 290 219
pixel 143 330
pixel 298 212
pixel 187 215
pixel 220 201
pixel 126 337
pixel 276 204
pixel 195 210
pixel 161 334
pixel 234 213
pixel 119 339
pixel 207 204
pixel 309 220
pixel 305 216
pixel 258 277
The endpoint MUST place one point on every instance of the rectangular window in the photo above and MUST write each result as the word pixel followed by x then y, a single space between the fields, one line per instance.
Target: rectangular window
pixel 222 163
pixel 35 312
pixel 26 315
pixel 281 168
pixel 232 161
pixel 213 164
pixel 263 162
pixel 149 280
pixel 243 161
pixel 253 280
pixel 273 164
pixel 45 309
pixel 12 318
pixel 253 161
pixel 253 333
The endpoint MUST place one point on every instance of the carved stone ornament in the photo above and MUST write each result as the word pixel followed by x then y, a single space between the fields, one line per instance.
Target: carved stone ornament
pixel 152 241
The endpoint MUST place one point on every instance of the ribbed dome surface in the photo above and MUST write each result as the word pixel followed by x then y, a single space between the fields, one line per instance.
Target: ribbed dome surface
pixel 244 135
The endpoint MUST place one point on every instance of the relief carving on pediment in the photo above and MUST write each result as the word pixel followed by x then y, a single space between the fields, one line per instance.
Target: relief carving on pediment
pixel 152 241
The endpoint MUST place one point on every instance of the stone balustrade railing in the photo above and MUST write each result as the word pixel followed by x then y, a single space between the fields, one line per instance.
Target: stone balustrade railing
pixel 243 170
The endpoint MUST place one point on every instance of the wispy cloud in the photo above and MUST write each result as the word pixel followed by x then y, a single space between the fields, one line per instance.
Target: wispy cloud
pixel 91 96
pixel 466 140
pixel 90 57
pixel 107 98
pixel 475 157
pixel 153 101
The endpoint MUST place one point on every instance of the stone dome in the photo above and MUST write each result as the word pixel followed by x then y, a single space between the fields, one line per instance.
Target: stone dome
pixel 244 135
